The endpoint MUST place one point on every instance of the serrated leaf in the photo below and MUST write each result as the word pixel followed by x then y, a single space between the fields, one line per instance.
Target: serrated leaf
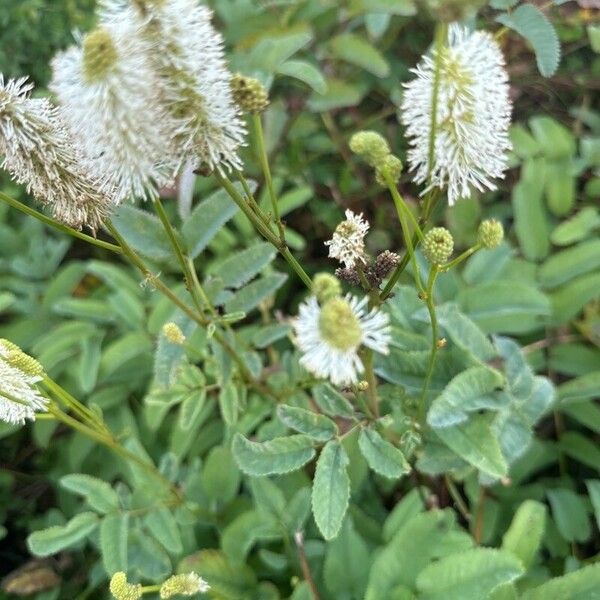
pixel 251 295
pixel 54 539
pixel 570 514
pixel 579 585
pixel 113 542
pixel 331 402
pixel 358 51
pixel 206 220
pixel 306 72
pixel 308 422
pixel 243 266
pixel 163 526
pixel 331 489
pixel 526 531
pixel 220 475
pixel 97 493
pixel 530 22
pixel 469 575
pixel 277 456
pixel 382 457
pixel 229 404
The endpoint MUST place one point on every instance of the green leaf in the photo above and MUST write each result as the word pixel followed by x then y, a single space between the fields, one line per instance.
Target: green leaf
pixel 530 22
pixel 405 510
pixel 97 493
pixel 570 514
pixel 577 227
pixel 579 585
pixel 220 475
pixel 581 448
pixel 229 404
pixel 277 456
pixel 54 539
pixel 524 536
pixel 474 442
pixel 331 402
pixel 339 94
pixel 243 266
pixel 163 526
pixel 568 264
pixel 560 188
pixel 306 72
pixel 331 489
pixel 358 51
pixel 143 232
pixel 244 531
pixel 580 389
pixel 254 293
pixel 206 220
pixel 555 139
pixel 382 457
pixel 570 299
pixel 113 542
pixel 269 334
pixel 593 486
pixel 470 391
pixel 469 575
pixel 316 426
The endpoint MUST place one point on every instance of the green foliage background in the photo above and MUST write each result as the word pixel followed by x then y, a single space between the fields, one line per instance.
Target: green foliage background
pixel 333 68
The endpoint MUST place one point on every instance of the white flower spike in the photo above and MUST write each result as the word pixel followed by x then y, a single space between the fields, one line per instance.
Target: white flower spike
pixel 40 153
pixel 331 335
pixel 473 115
pixel 348 242
pixel 107 90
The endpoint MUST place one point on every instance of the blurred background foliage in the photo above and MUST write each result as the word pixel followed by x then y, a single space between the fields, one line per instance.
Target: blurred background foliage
pixel 333 67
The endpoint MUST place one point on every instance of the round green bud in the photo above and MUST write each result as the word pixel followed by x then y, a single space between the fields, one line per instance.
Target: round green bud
pixel 121 590
pixel 490 233
pixel 371 146
pixel 339 326
pixel 15 357
pixel 99 54
pixel 326 286
pixel 173 333
pixel 391 165
pixel 249 93
pixel 438 245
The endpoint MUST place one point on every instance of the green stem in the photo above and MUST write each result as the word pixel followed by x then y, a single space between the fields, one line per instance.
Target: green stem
pixel 372 381
pixel 461 258
pixel 57 225
pixel 264 163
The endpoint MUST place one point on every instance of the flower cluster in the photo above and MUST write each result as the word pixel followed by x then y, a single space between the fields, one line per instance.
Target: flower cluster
pixel 348 242
pixel 472 117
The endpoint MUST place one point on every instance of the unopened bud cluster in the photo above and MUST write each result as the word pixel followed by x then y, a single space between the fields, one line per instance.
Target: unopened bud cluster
pixel 326 286
pixel 249 93
pixel 122 590
pixel 15 357
pixel 173 333
pixel 438 245
pixel 375 150
pixel 490 234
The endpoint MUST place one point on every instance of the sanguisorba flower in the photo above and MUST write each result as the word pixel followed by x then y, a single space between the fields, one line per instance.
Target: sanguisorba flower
pixel 472 117
pixel 185 584
pixel 187 53
pixel 330 336
pixel 107 92
pixel 19 397
pixel 38 151
pixel 348 242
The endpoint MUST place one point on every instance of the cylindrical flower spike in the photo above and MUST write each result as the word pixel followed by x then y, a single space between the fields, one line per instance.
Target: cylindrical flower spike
pixel 122 590
pixel 40 153
pixel 186 584
pixel 438 246
pixel 472 117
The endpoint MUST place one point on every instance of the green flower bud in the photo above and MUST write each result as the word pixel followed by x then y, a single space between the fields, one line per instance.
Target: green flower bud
pixel 438 245
pixel 173 333
pixel 490 234
pixel 371 146
pixel 99 54
pixel 121 590
pixel 326 286
pixel 15 357
pixel 339 326
pixel 187 584
pixel 249 93
pixel 390 165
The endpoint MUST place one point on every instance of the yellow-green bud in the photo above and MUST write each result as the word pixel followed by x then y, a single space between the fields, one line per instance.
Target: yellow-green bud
pixel 490 234
pixel 363 386
pixel 339 326
pixel 99 54
pixel 173 333
pixel 438 245
pixel 15 357
pixel 187 584
pixel 390 165
pixel 326 286
pixel 121 590
pixel 249 93
pixel 371 146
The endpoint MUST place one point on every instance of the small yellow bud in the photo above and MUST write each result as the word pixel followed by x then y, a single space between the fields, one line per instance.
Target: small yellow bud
pixel 391 165
pixel 339 326
pixel 326 286
pixel 249 93
pixel 15 357
pixel 187 584
pixel 99 54
pixel 121 590
pixel 438 245
pixel 173 333
pixel 490 234
pixel 371 146
pixel 363 386
pixel 441 343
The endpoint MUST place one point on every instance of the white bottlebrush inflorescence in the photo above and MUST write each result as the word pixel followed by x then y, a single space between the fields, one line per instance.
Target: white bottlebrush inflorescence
pixel 38 151
pixel 472 117
pixel 107 90
pixel 330 336
pixel 19 397
pixel 187 54
pixel 348 242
